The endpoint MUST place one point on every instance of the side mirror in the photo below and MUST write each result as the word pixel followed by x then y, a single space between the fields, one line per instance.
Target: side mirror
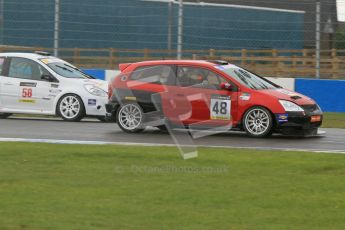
pixel 226 86
pixel 47 77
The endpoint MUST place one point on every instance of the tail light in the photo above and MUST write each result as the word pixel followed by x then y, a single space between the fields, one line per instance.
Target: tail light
pixel 110 90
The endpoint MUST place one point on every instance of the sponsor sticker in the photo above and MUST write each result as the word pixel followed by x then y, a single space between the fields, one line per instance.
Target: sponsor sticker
pixel 55 91
pixel 28 84
pixel 282 117
pixel 220 67
pixel 49 60
pixel 92 102
pixel 245 96
pixel 27 101
pixel 130 98
pixel 220 108
pixel 315 118
pixel 224 67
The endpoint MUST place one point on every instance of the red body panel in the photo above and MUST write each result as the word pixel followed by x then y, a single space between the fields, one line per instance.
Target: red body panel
pixel 197 108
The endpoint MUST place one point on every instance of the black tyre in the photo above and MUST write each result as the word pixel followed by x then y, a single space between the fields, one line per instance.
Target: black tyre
pixel 162 128
pixel 5 115
pixel 102 119
pixel 130 118
pixel 258 122
pixel 71 108
pixel 106 119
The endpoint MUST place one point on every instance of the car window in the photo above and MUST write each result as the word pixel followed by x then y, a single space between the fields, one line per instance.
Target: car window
pixel 160 74
pixel 247 78
pixel 2 60
pixel 67 71
pixel 26 69
pixel 198 77
pixel 42 71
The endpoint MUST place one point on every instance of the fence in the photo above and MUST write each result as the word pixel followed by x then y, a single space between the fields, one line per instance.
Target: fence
pixel 270 63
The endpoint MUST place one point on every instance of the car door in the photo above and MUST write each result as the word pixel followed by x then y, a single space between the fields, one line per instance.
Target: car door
pixel 23 89
pixel 199 97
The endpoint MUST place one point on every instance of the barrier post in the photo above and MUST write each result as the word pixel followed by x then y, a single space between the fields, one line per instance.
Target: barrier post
pixel 335 64
pixel 243 57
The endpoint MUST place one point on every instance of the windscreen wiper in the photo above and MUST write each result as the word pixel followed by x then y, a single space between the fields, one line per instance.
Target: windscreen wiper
pixel 64 68
pixel 75 68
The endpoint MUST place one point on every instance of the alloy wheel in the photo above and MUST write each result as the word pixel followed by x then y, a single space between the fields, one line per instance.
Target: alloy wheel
pixel 70 107
pixel 258 122
pixel 130 117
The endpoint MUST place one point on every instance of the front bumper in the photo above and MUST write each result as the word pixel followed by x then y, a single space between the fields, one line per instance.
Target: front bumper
pixel 95 106
pixel 111 109
pixel 299 123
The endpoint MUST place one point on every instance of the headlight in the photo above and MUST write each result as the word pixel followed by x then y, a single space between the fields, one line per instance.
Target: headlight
pixel 319 108
pixel 94 90
pixel 290 106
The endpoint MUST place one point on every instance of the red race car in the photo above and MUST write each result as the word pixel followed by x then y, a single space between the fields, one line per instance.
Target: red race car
pixel 207 94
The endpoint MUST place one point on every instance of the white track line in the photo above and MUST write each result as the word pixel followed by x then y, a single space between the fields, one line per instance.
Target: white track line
pixel 75 142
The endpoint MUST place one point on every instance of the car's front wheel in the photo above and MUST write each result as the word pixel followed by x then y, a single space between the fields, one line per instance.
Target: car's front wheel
pixel 71 108
pixel 130 118
pixel 258 122
pixel 4 115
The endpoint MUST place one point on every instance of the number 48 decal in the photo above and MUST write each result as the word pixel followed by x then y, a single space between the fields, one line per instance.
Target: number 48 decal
pixel 220 108
pixel 27 93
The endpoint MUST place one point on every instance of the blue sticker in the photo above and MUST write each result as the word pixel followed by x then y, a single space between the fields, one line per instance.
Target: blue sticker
pixel 282 117
pixel 220 67
pixel 92 102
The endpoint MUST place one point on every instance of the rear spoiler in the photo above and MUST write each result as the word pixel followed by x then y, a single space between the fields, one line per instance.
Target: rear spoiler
pixel 124 66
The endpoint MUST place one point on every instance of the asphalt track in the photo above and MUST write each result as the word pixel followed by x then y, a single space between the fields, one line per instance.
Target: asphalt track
pixel 94 132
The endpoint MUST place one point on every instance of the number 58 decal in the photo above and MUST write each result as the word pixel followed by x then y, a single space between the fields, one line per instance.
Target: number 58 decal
pixel 27 93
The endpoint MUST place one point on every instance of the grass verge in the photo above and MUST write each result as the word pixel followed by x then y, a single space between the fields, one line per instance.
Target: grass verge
pixel 46 186
pixel 334 120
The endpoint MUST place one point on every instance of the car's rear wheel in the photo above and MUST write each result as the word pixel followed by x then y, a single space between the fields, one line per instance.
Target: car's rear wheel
pixel 130 118
pixel 258 122
pixel 5 115
pixel 71 108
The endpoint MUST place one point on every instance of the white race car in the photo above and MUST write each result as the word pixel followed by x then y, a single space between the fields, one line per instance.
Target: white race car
pixel 37 83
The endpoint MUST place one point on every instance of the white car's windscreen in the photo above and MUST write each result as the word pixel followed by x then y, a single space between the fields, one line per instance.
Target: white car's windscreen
pixel 67 71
